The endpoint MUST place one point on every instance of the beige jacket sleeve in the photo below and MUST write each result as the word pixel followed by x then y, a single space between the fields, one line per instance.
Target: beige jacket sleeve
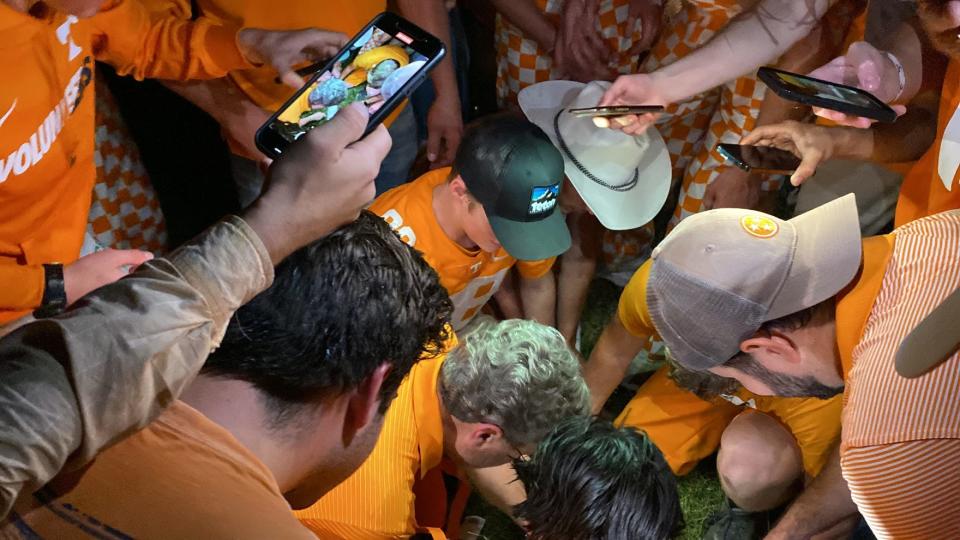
pixel 73 385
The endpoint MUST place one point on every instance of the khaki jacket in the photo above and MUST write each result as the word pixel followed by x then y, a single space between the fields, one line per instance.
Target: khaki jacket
pixel 73 385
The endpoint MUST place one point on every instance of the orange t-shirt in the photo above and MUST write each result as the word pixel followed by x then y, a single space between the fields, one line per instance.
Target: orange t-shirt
pixel 181 477
pixel 933 184
pixel 471 277
pixel 259 84
pixel 377 501
pixel 46 122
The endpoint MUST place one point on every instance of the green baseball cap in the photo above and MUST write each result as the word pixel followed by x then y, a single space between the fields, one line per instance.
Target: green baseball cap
pixel 513 170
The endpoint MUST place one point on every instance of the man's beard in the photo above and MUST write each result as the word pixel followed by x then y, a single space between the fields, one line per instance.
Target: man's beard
pixel 932 13
pixel 790 386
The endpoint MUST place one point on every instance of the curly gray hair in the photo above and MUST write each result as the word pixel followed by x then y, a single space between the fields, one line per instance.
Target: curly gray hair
pixel 517 374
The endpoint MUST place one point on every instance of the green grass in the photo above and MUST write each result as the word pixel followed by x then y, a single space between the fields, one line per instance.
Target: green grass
pixel 700 493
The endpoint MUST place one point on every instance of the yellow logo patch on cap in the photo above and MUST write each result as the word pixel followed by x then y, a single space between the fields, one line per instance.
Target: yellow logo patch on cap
pixel 759 226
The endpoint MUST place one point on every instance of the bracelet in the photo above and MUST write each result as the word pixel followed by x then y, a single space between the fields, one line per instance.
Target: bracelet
pixel 900 74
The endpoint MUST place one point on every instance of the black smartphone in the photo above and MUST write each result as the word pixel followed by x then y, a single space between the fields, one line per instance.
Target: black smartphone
pixel 826 94
pixel 379 67
pixel 615 110
pixel 764 159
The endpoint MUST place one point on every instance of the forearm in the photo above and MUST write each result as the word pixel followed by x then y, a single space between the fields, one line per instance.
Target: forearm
pixel 822 505
pixel 751 40
pixel 539 297
pixel 576 272
pixel 902 141
pixel 432 16
pixel 525 15
pixel 609 361
pixel 112 363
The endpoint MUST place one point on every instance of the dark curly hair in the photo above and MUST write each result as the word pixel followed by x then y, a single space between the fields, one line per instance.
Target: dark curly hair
pixel 338 308
pixel 590 480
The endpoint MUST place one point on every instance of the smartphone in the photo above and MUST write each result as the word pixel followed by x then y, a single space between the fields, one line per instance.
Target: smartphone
pixel 616 110
pixel 379 67
pixel 826 94
pixel 763 159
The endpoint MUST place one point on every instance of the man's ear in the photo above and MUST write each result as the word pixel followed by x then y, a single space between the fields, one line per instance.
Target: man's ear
pixel 771 347
pixel 363 403
pixel 459 190
pixel 485 434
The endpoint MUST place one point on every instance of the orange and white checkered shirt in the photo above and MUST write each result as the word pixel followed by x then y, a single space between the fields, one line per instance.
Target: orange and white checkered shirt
pixel 522 62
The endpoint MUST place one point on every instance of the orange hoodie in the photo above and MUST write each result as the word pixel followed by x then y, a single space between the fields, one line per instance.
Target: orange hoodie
pixel 46 121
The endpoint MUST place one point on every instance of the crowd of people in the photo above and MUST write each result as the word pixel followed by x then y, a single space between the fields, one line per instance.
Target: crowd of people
pixel 379 325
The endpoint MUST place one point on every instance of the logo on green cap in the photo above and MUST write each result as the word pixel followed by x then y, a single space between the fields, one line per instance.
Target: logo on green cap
pixel 543 199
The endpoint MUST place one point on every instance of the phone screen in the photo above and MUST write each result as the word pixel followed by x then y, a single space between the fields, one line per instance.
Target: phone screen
pixel 760 158
pixel 824 90
pixel 374 68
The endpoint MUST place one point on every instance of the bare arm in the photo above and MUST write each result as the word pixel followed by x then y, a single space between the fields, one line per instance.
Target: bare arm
pixel 525 15
pixel 609 361
pixel 822 506
pixel 237 115
pixel 539 297
pixel 444 121
pixel 576 272
pixel 755 38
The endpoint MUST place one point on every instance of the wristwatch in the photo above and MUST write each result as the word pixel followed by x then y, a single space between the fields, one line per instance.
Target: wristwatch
pixel 54 293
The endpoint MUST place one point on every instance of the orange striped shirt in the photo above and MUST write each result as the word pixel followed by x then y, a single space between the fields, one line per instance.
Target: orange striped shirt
pixel 900 447
pixel 377 501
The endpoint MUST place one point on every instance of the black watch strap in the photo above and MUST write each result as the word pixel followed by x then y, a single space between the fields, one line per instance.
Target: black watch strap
pixel 54 292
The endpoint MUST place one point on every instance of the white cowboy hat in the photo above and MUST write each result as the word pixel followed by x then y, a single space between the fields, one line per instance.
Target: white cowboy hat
pixel 623 179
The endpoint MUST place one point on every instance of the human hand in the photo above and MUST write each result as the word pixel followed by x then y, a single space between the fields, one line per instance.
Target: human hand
pixel 95 270
pixel 321 182
pixel 732 188
pixel 650 15
pixel 639 89
pixel 285 49
pixel 580 53
pixel 811 143
pixel 240 122
pixel 444 130
pixel 865 67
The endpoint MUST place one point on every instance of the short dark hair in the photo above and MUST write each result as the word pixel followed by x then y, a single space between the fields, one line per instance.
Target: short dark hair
pixel 338 309
pixel 589 480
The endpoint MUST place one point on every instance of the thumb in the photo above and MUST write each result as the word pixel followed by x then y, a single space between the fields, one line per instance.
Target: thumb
pixel 806 169
pixel 343 129
pixel 130 257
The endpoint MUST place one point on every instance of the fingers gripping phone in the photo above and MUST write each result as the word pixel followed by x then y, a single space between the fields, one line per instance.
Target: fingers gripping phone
pixel 615 110
pixel 826 94
pixel 379 67
pixel 762 159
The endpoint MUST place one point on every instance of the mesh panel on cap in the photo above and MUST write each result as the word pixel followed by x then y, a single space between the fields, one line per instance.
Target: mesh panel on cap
pixel 700 324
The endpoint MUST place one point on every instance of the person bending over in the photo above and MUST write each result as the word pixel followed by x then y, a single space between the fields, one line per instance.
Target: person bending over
pixel 590 480
pixel 489 401
pixel 292 400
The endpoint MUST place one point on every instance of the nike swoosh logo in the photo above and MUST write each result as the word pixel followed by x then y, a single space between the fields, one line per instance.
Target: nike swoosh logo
pixel 8 113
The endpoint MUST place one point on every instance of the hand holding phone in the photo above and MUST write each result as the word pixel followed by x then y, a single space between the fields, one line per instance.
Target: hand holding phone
pixel 826 94
pixel 761 159
pixel 378 68
pixel 320 183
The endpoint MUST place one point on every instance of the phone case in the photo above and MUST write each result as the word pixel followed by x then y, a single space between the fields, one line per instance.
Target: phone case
pixel 877 110
pixel 271 143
